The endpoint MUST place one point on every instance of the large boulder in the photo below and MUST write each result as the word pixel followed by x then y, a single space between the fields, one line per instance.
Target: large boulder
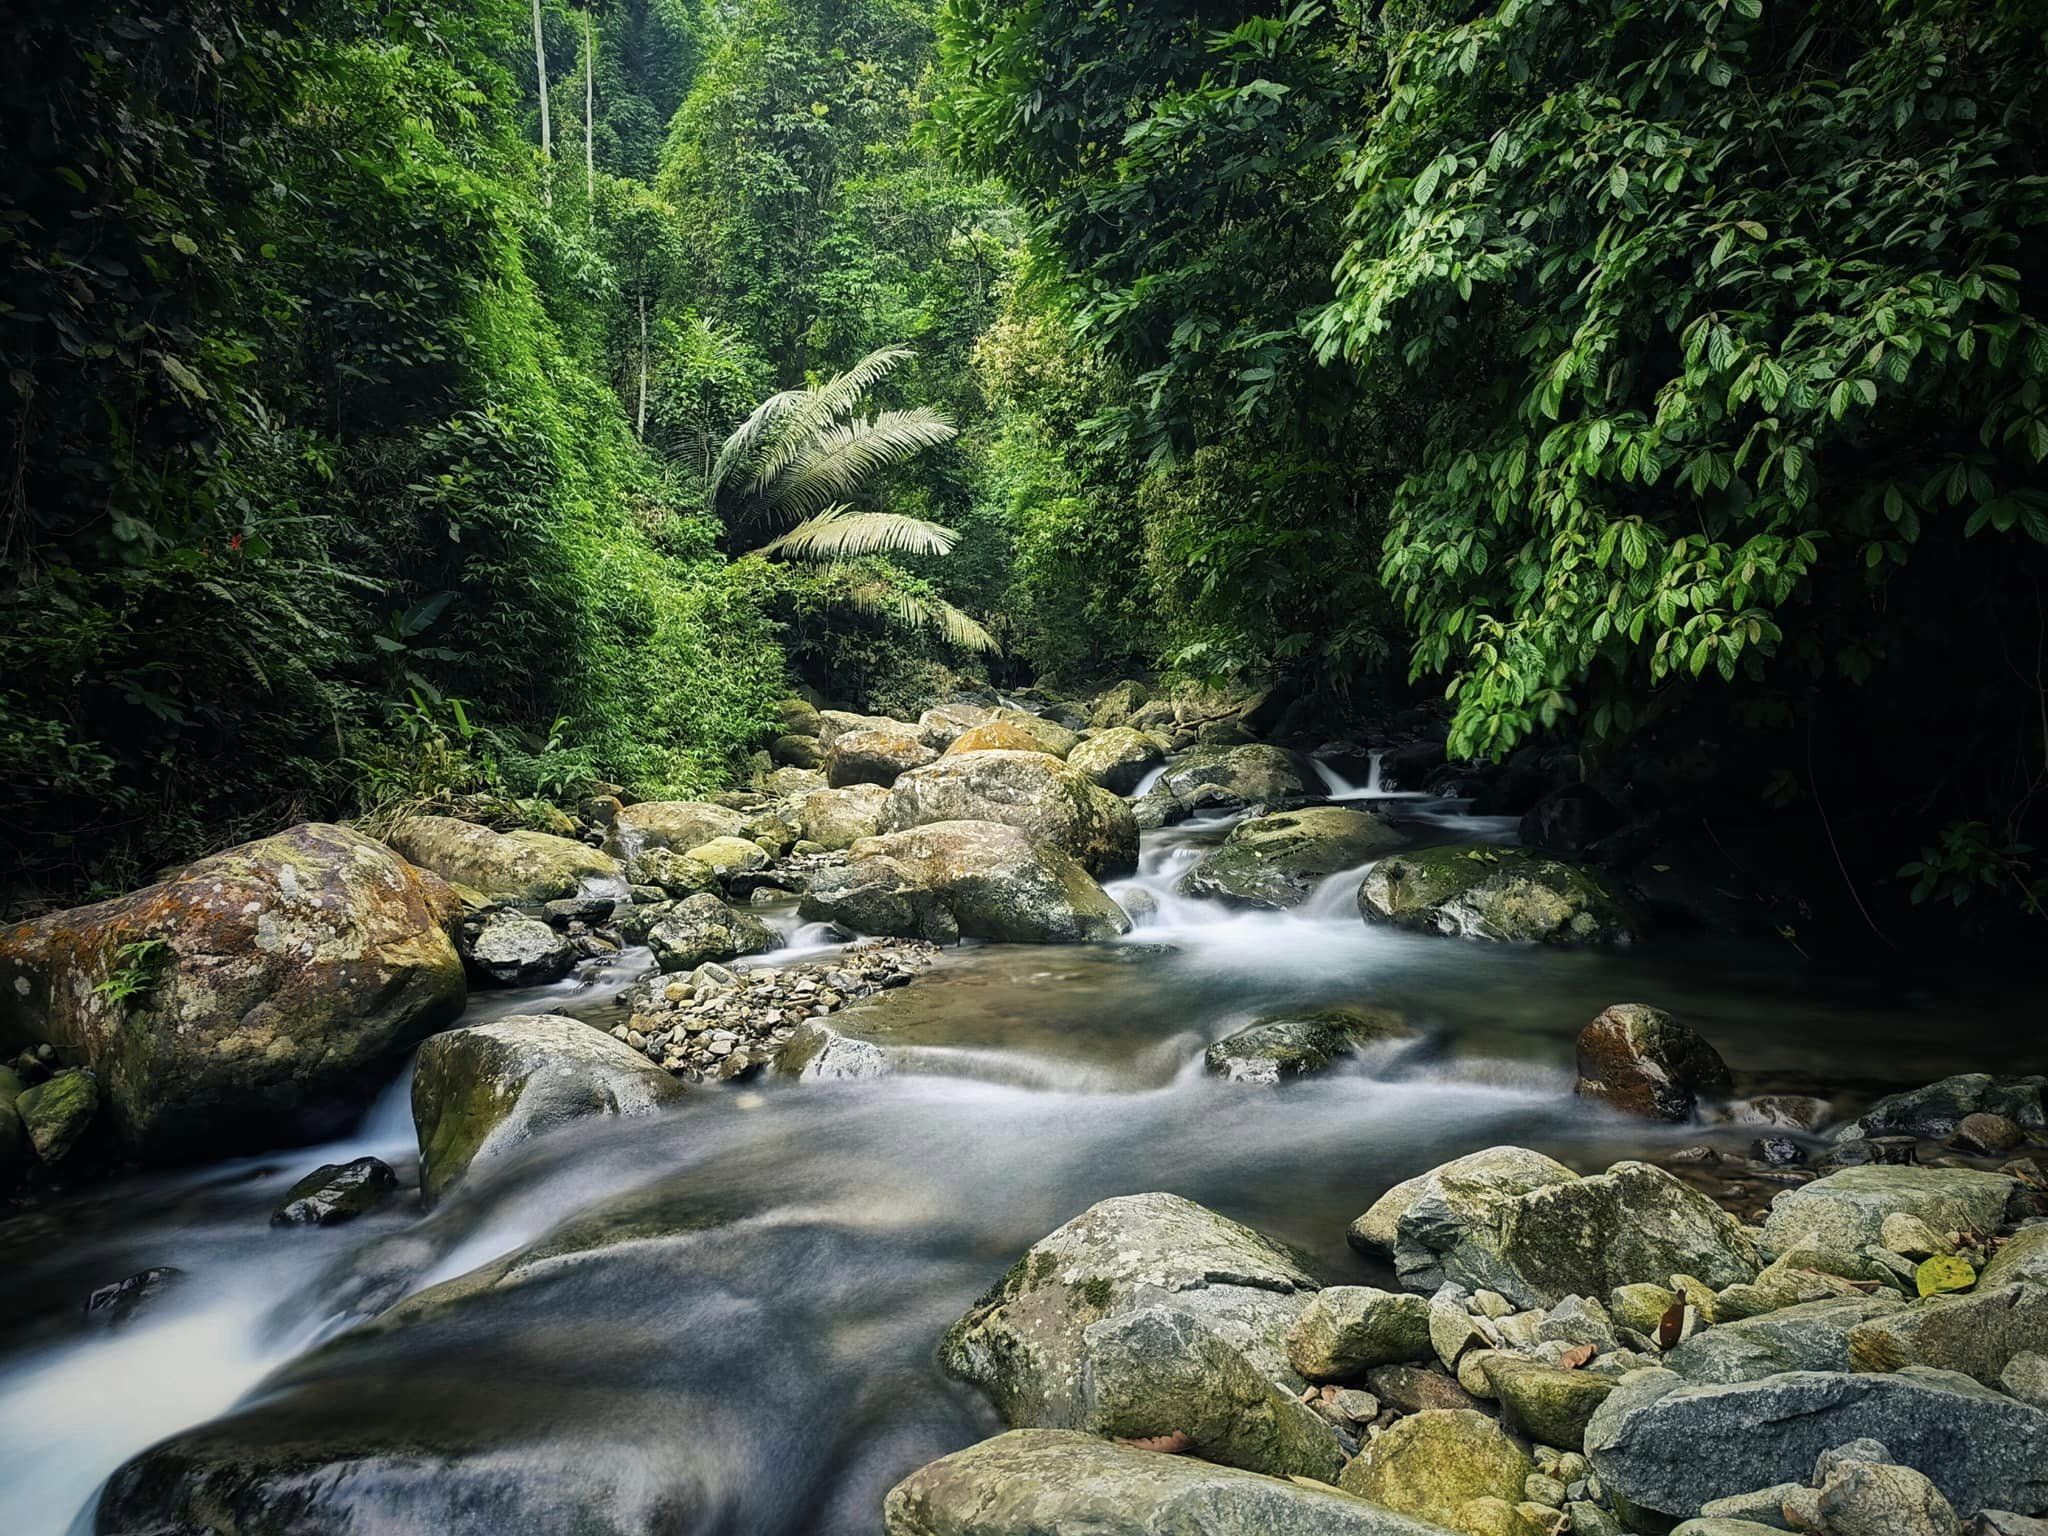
pixel 678 824
pixel 256 995
pixel 1808 1336
pixel 1346 1330
pixel 479 1092
pixel 1038 794
pixel 835 723
pixel 839 818
pixel 519 868
pixel 873 757
pixel 1114 705
pixel 1978 1334
pixel 1574 1237
pixel 995 736
pixel 1048 1482
pixel 1275 862
pixel 797 717
pixel 1431 1464
pixel 1283 1046
pixel 1026 1342
pixel 796 752
pixel 1845 1211
pixel 1643 1062
pixel 964 879
pixel 1235 777
pixel 1117 759
pixel 1505 894
pixel 1665 1446
pixel 1050 735
pixel 701 927
pixel 943 724
pixel 1447 1200
pixel 2023 1256
pixel 512 950
pixel 1549 1404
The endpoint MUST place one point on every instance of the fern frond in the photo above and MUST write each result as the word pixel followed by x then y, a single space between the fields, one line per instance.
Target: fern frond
pixel 833 462
pixel 840 533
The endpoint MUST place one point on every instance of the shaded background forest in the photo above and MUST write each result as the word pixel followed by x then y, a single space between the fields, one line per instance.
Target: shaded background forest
pixel 1665 382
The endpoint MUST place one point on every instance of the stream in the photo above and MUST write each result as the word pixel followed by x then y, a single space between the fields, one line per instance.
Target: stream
pixel 757 1355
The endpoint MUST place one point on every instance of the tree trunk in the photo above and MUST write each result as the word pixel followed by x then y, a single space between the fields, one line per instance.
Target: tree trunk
pixel 589 102
pixel 547 136
pixel 640 418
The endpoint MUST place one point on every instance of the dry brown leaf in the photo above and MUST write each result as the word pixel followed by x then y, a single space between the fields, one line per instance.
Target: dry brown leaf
pixel 1671 1324
pixel 1576 1356
pixel 1174 1444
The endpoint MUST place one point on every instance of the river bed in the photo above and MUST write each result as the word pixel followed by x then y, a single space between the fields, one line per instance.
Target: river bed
pixel 759 1356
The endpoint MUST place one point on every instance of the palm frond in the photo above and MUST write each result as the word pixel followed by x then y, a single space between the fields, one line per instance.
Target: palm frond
pixel 843 393
pixel 818 409
pixel 748 437
pixel 840 533
pixel 879 600
pixel 833 462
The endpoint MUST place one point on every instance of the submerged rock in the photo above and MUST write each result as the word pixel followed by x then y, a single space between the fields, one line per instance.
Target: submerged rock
pixel 701 928
pixel 255 995
pixel 1669 1447
pixel 1117 759
pixel 1643 1062
pixel 511 950
pixel 1039 795
pixel 519 868
pixel 479 1092
pixel 1043 1482
pixel 974 879
pixel 1505 894
pixel 336 1192
pixel 1275 862
pixel 873 757
pixel 1274 1049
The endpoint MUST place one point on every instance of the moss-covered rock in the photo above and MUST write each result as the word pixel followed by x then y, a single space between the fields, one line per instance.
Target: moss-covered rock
pixel 1346 1330
pixel 675 874
pixel 1549 1405
pixel 1282 1046
pixel 1420 1219
pixel 873 757
pixel 254 992
pixel 797 717
pixel 700 928
pixel 479 1092
pixel 995 736
pixel 1430 1464
pixel 1037 794
pixel 1275 862
pixel 1505 894
pixel 1225 777
pixel 839 818
pixel 1845 1211
pixel 725 856
pixel 511 950
pixel 678 824
pixel 943 724
pixel 57 1114
pixel 1025 1345
pixel 977 879
pixel 1049 734
pixel 1117 759
pixel 518 868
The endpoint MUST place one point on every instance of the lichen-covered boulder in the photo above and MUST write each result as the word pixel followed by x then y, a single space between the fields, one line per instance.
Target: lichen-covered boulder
pixel 256 995
pixel 2023 1256
pixel 700 928
pixel 839 818
pixel 1048 1482
pixel 1668 1447
pixel 511 950
pixel 1346 1330
pixel 1643 1062
pixel 1115 705
pixel 1808 1336
pixel 1431 1464
pixel 943 724
pixel 1282 1046
pixel 676 874
pixel 797 717
pixel 873 757
pixel 730 855
pixel 1275 862
pixel 1045 729
pixel 678 824
pixel 1978 1334
pixel 1571 1237
pixel 1025 1344
pixel 1845 1211
pixel 1235 777
pixel 479 1092
pixel 796 752
pixel 519 868
pixel 1037 794
pixel 1117 759
pixel 995 736
pixel 1445 1202
pixel 1504 894
pixel 972 879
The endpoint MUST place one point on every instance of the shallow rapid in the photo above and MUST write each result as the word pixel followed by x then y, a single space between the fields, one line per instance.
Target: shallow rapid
pixel 737 1331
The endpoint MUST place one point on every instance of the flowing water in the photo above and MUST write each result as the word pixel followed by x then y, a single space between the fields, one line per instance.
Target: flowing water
pixel 730 1324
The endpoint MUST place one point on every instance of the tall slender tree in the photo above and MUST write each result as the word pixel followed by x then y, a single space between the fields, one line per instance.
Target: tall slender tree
pixel 547 137
pixel 589 151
